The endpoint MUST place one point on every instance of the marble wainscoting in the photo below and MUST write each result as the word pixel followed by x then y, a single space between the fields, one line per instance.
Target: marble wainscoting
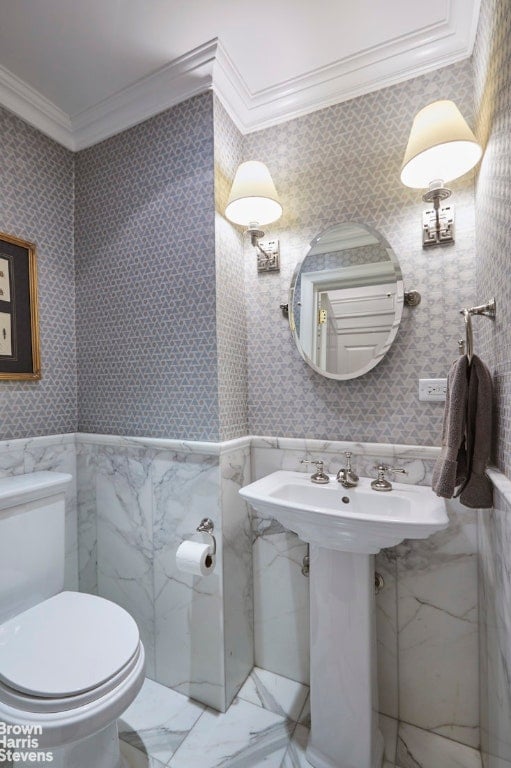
pixel 138 500
pixel 494 531
pixel 54 453
pixel 427 624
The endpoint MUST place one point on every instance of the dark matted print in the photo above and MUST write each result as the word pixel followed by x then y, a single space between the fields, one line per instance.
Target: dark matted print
pixel 19 331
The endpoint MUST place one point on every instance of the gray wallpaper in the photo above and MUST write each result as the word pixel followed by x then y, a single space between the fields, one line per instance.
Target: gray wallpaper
pixel 492 67
pixel 230 288
pixel 342 164
pixel 146 303
pixel 36 204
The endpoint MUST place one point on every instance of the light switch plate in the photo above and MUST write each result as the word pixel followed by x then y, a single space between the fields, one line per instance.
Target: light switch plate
pixel 432 390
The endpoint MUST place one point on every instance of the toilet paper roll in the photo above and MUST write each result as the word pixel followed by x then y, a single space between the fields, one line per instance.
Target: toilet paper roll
pixel 195 557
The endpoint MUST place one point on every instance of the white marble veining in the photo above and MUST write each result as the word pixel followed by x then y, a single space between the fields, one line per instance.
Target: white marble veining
pixel 238 587
pixel 278 694
pixel 389 729
pixel 188 609
pixel 163 727
pixel 421 749
pixel 246 735
pixel 495 631
pixel 125 528
pixel 438 630
pixel 162 444
pixel 158 721
pixel 87 518
pixel 281 606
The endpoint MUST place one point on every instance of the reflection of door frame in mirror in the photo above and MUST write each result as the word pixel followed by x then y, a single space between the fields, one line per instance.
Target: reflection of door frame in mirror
pixel 309 309
pixel 312 283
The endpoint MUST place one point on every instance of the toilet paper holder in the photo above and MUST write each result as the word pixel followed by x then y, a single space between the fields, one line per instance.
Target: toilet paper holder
pixel 207 526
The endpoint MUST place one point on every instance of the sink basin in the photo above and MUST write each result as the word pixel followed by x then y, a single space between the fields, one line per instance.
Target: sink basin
pixel 345 528
pixel 350 520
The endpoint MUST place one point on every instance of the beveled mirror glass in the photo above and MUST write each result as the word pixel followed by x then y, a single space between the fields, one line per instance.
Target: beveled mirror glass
pixel 346 301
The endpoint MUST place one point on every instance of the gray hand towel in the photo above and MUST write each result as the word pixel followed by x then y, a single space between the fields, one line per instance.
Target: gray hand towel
pixel 451 466
pixel 477 490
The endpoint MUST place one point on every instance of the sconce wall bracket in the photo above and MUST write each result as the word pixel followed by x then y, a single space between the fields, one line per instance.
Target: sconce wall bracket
pixel 438 226
pixel 268 256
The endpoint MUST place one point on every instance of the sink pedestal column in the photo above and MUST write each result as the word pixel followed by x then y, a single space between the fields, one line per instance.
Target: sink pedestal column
pixel 344 689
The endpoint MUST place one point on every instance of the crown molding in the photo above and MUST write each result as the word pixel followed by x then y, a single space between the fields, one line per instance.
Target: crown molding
pixel 18 97
pixel 183 78
pixel 398 60
pixel 209 66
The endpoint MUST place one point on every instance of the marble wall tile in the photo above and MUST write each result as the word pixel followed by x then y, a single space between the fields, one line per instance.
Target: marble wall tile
pixel 495 632
pixel 86 462
pixel 188 609
pixel 124 528
pixel 281 606
pixel 238 588
pixel 438 630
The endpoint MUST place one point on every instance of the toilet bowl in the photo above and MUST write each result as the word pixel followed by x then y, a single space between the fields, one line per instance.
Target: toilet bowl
pixel 71 663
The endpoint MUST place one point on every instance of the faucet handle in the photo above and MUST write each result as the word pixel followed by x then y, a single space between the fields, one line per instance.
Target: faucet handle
pixel 318 477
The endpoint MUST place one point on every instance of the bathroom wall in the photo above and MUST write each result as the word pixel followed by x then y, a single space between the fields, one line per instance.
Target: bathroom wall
pixel 230 286
pixel 339 164
pixel 138 500
pixel 36 204
pixel 492 59
pixel 145 254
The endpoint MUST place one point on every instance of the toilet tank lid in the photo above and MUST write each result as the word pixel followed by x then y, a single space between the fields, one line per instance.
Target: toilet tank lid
pixel 66 645
pixel 20 489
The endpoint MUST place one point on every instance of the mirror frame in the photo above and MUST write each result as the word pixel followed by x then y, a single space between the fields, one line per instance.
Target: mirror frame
pixel 397 318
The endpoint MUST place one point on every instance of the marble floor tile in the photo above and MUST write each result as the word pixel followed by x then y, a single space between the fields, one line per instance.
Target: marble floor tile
pixel 388 727
pixel 246 735
pixel 422 749
pixel 305 715
pixel 278 694
pixel 158 721
pixel 295 753
pixel 137 759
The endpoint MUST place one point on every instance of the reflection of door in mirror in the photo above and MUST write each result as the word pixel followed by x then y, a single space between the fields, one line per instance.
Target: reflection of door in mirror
pixel 354 326
pixel 346 299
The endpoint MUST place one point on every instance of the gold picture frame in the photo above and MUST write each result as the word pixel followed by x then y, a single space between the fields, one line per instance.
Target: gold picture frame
pixel 20 356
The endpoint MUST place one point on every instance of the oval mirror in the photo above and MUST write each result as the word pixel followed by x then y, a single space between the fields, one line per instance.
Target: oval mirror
pixel 346 301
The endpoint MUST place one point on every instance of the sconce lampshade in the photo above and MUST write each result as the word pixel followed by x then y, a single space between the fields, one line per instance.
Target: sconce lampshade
pixel 441 146
pixel 253 198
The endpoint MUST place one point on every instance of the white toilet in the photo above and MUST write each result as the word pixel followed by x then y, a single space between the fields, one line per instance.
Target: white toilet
pixel 70 663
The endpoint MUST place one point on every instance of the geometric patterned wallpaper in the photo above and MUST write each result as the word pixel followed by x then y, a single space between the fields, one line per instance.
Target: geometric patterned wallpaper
pixel 145 230
pixel 36 204
pixel 492 68
pixel 340 164
pixel 230 286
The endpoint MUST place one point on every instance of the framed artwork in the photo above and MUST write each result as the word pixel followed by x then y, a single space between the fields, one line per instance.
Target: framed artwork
pixel 19 325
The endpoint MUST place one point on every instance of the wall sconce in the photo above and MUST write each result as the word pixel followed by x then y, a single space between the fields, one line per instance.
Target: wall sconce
pixel 254 202
pixel 441 148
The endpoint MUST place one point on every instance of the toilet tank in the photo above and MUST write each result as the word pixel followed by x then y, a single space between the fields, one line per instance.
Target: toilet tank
pixel 32 545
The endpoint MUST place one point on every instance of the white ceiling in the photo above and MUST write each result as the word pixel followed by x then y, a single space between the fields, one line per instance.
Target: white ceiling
pixel 84 69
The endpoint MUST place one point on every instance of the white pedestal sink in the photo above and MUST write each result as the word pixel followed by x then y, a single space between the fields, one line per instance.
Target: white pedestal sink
pixel 345 528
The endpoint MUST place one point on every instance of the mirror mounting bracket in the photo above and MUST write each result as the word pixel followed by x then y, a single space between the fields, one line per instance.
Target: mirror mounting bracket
pixel 412 298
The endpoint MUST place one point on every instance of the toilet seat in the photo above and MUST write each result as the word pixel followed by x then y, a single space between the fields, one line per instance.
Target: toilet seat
pixel 27 703
pixel 40 648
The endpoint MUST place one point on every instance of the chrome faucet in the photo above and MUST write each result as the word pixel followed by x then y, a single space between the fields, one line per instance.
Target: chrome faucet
pixel 381 483
pixel 319 476
pixel 346 476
